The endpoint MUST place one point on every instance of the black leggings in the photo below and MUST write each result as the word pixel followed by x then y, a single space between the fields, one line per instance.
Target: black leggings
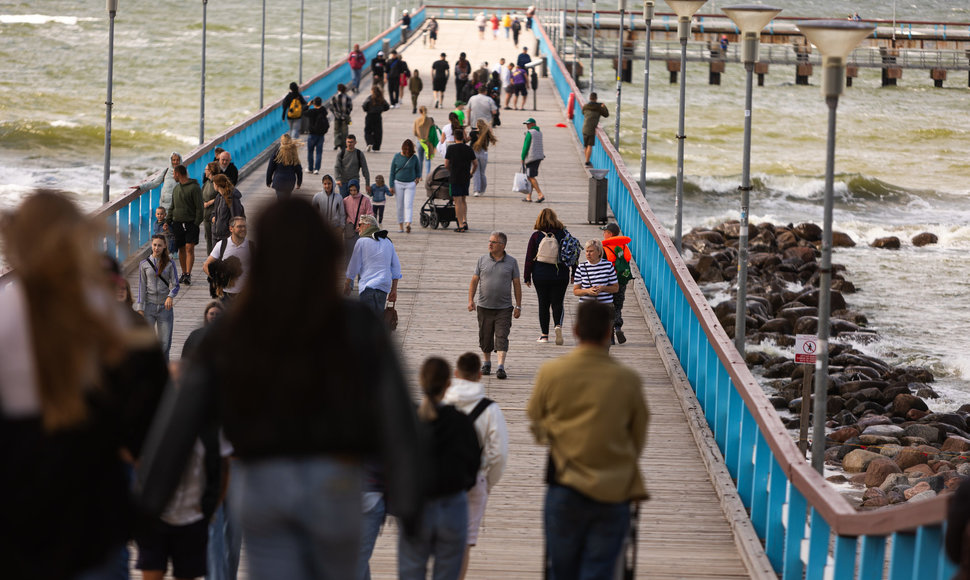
pixel 551 294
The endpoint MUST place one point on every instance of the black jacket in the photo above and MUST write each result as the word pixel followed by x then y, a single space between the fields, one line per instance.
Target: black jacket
pixel 319 123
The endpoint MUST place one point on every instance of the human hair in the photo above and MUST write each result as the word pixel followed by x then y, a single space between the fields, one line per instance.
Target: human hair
pixel 181 170
pixel 459 134
pixel 205 311
pixel 341 88
pixel 48 242
pixel 287 153
pixel 164 259
pixel 317 101
pixel 592 96
pixel 377 95
pixel 597 244
pixel 213 167
pixel 327 178
pixel 435 376
pixel 485 136
pixel 294 87
pixel 238 218
pixel 423 112
pixel 548 220
pixel 468 365
pixel 407 148
pixel 217 151
pixel 593 321
pixel 454 121
pixel 368 219
pixel 224 187
pixel 352 136
pixel 501 236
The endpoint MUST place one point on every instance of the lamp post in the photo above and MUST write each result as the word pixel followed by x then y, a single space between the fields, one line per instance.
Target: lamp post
pixel 685 10
pixel 350 26
pixel 205 5
pixel 751 20
pixel 262 55
pixel 300 78
pixel 575 54
pixel 112 6
pixel 619 77
pixel 592 49
pixel 329 11
pixel 835 39
pixel 648 6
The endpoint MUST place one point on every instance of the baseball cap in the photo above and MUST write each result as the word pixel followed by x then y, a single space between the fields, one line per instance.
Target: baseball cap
pixel 530 120
pixel 380 53
pixel 612 228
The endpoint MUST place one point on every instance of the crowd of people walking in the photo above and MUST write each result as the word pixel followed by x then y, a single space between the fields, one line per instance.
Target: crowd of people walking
pixel 289 461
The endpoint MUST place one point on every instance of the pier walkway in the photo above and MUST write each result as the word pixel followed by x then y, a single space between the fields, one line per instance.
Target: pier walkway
pixel 693 526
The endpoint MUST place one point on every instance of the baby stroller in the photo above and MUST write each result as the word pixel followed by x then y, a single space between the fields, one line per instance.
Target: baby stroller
pixel 438 209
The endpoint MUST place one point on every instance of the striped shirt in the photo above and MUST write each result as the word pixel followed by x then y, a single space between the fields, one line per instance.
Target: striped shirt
pixel 599 274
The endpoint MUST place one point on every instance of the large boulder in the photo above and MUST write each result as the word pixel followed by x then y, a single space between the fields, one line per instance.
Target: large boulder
pixel 904 402
pixel 927 432
pixel 781 325
pixel 924 239
pixel 916 489
pixel 842 240
pixel 892 431
pixel 955 444
pixel 843 434
pixel 909 457
pixel 877 471
pixel 894 479
pixel 808 231
pixel 858 461
pixel 887 243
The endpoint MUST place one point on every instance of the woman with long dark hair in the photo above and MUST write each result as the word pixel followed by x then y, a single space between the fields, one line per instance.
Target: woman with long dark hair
pixel 158 285
pixel 374 108
pixel 228 205
pixel 547 272
pixel 311 389
pixel 79 384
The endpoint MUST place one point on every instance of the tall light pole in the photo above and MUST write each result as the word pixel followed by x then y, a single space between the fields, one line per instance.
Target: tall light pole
pixel 592 49
pixel 301 43
pixel 112 6
pixel 685 10
pixel 751 20
pixel 262 56
pixel 619 77
pixel 350 26
pixel 648 6
pixel 205 5
pixel 835 39
pixel 329 11
pixel 575 53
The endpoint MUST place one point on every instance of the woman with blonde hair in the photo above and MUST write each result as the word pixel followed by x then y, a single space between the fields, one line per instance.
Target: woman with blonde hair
pixel 73 397
pixel 427 134
pixel 284 172
pixel 544 268
pixel 481 138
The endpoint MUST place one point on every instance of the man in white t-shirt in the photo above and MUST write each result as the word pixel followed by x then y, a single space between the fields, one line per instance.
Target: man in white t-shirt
pixel 235 246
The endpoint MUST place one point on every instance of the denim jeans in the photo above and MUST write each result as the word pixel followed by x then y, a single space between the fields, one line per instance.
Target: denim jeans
pixel 424 165
pixel 443 534
pixel 478 180
pixel 295 125
pixel 373 520
pixel 355 78
pixel 314 151
pixel 300 517
pixel 374 299
pixel 162 321
pixel 225 543
pixel 583 536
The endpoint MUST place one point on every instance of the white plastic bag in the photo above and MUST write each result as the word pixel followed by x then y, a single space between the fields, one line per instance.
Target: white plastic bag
pixel 520 184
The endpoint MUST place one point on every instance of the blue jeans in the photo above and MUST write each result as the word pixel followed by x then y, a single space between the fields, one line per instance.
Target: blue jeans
pixel 373 520
pixel 423 164
pixel 355 80
pixel 374 299
pixel 314 151
pixel 295 125
pixel 155 314
pixel 225 543
pixel 583 536
pixel 443 534
pixel 300 517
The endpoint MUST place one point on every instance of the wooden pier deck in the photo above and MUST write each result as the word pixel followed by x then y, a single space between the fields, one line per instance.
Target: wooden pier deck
pixel 690 528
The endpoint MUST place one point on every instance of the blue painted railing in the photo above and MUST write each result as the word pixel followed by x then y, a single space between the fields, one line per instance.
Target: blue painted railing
pixel 129 219
pixel 792 509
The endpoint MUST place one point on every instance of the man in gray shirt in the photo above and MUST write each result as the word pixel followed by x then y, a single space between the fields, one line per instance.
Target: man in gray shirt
pixel 350 163
pixel 496 277
pixel 481 106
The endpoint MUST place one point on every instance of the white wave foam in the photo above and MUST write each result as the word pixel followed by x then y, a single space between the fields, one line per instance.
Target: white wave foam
pixel 38 19
pixel 183 138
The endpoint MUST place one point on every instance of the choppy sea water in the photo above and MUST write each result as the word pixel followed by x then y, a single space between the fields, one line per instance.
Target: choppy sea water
pixel 901 155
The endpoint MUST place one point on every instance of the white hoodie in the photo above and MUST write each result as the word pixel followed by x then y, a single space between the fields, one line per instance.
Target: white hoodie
pixel 490 427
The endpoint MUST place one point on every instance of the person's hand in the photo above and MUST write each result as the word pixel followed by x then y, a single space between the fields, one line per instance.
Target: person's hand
pixel 338 183
pixel 367 189
pixel 165 226
pixel 168 303
pixel 141 313
pixel 418 180
pixel 347 288
pixel 471 306
pixel 391 190
pixel 516 312
pixel 392 296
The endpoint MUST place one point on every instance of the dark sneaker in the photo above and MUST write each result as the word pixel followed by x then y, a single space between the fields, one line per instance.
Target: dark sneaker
pixel 188 280
pixel 620 337
pixel 486 369
pixel 501 374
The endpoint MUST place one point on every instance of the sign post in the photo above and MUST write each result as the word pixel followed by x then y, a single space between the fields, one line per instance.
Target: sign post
pixel 805 347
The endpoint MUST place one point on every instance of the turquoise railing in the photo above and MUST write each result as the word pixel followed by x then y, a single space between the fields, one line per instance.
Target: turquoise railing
pixel 129 218
pixel 808 529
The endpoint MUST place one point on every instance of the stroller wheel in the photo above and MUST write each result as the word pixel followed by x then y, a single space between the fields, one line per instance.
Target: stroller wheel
pixel 445 224
pixel 433 219
pixel 424 220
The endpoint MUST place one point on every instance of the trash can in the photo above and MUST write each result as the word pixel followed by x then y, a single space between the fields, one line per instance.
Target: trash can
pixel 597 196
pixel 386 46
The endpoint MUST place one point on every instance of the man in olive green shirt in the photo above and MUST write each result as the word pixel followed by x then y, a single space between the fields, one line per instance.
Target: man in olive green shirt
pixel 185 214
pixel 592 111
pixel 591 412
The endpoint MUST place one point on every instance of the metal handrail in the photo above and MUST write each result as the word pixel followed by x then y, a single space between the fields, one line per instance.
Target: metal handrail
pixel 789 502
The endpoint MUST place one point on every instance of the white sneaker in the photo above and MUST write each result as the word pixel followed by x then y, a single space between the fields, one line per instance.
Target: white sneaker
pixel 478 194
pixel 559 335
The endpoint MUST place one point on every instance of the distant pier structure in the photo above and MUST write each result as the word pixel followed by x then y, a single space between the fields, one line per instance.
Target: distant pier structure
pixel 938 48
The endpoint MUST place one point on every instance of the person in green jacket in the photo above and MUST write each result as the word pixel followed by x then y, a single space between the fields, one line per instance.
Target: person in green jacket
pixel 532 156
pixel 185 214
